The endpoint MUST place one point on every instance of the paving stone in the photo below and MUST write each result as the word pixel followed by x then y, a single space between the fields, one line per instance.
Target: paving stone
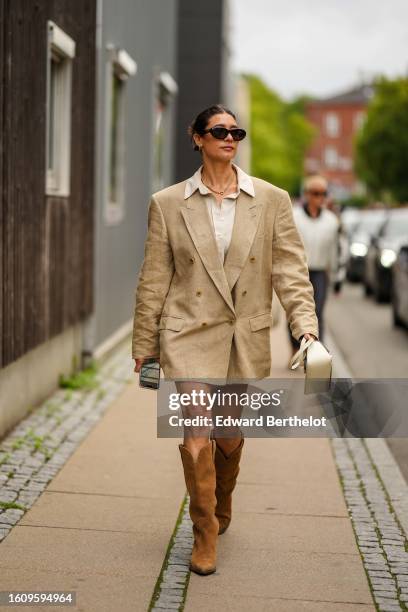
pixel 34 486
pixel 374 557
pixel 4 531
pixel 387 594
pixel 402 583
pixel 377 574
pixel 383 582
pixel 7 496
pixel 372 566
pixel 169 600
pixel 367 551
pixel 380 599
pixel 170 591
pixel 9 518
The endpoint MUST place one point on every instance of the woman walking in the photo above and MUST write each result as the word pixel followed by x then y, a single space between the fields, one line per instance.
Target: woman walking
pixel 217 245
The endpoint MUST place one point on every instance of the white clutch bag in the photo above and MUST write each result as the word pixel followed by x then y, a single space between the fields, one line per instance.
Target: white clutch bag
pixel 317 364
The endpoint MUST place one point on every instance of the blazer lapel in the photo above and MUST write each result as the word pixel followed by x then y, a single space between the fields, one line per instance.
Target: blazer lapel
pixel 247 215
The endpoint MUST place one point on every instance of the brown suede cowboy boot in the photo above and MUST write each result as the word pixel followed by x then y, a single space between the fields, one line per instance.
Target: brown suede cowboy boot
pixel 200 482
pixel 227 469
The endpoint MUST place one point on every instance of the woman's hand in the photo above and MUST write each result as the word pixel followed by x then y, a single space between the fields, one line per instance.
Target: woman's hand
pixel 139 362
pixel 308 336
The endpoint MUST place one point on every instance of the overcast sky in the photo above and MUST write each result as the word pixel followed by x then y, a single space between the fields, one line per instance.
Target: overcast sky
pixel 318 47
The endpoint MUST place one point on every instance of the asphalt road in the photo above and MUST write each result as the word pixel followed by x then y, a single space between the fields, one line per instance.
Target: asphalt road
pixel 371 346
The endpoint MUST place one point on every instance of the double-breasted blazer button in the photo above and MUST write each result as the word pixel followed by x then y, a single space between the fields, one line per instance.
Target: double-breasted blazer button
pixel 191 260
pixel 198 293
pixel 204 323
pixel 252 258
pixel 244 292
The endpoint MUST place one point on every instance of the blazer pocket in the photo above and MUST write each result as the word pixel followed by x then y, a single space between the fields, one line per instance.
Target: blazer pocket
pixel 260 321
pixel 170 322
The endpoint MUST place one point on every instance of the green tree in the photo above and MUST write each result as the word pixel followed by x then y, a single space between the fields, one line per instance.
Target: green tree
pixel 280 135
pixel 381 147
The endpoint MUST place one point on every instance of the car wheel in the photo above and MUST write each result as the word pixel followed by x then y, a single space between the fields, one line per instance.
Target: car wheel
pixel 379 295
pixel 397 322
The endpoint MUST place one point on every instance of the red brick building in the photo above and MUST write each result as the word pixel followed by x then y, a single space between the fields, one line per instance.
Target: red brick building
pixel 337 119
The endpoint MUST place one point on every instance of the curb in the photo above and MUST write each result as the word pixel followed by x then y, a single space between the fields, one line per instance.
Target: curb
pixel 377 500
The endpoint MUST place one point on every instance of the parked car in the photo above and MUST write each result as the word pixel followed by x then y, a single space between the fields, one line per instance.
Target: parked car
pixel 370 223
pixel 399 288
pixel 350 218
pixel 382 253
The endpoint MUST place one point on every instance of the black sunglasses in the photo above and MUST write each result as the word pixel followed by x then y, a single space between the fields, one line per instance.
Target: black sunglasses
pixel 316 194
pixel 220 133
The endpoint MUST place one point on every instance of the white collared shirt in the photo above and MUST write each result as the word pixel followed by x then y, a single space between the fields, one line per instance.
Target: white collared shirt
pixel 221 215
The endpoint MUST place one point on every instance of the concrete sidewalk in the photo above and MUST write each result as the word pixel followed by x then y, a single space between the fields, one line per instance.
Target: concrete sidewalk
pixel 291 545
pixel 104 523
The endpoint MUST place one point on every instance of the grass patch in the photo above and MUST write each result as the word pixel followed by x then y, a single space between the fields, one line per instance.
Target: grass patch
pixel 18 443
pixel 4 459
pixel 51 408
pixel 14 505
pixel 84 379
pixel 157 587
pixel 101 393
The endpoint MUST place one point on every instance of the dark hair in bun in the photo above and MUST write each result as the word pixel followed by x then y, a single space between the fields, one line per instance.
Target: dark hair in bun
pixel 201 121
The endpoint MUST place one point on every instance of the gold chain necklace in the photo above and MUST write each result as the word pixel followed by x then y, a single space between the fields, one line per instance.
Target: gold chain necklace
pixel 225 188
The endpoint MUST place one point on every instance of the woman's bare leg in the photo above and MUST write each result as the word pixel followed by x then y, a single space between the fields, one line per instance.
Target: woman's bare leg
pixel 228 439
pixel 195 437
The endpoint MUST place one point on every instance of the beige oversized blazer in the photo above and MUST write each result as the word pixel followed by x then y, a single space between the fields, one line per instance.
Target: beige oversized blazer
pixel 209 320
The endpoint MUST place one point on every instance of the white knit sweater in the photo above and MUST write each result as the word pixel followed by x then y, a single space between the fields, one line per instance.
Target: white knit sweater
pixel 320 238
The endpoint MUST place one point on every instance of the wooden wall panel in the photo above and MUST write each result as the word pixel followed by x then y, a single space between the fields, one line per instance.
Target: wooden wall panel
pixel 47 242
pixel 2 184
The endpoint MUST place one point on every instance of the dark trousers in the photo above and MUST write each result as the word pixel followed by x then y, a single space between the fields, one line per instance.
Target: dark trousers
pixel 319 280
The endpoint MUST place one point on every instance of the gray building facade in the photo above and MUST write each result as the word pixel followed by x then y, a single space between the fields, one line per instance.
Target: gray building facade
pixel 134 150
pixel 203 70
pixel 117 84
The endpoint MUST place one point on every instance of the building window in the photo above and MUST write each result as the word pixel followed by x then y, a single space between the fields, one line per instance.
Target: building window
pixel 345 163
pixel 358 120
pixel 330 157
pixel 332 124
pixel 60 54
pixel 311 164
pixel 120 66
pixel 166 89
pixel 116 139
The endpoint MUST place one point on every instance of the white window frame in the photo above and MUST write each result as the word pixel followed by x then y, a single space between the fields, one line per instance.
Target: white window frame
pixel 332 124
pixel 331 157
pixel 345 163
pixel 119 65
pixel 312 164
pixel 61 50
pixel 359 120
pixel 165 89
